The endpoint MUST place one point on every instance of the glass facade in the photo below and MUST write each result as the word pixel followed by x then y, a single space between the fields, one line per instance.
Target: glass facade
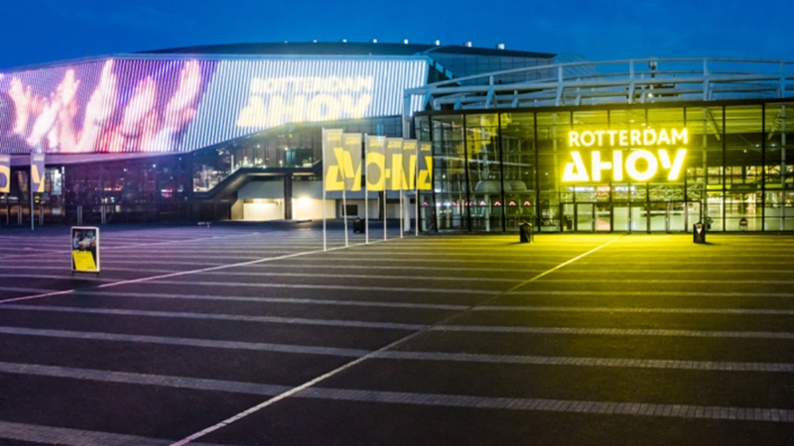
pixel 495 170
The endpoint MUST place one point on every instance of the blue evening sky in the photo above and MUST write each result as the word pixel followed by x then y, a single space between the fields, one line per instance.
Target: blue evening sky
pixel 37 31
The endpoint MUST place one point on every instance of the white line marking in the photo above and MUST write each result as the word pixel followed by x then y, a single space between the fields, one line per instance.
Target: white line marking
pixel 190 342
pixel 549 405
pixel 722 366
pixel 616 331
pixel 353 363
pixel 74 437
pixel 637 310
pixel 376 396
pixel 284 300
pixel 215 316
pixel 324 287
pixel 649 293
pixel 178 382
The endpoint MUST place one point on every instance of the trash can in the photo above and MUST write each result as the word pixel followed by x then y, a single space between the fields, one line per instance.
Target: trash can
pixel 526 233
pixel 699 232
pixel 358 225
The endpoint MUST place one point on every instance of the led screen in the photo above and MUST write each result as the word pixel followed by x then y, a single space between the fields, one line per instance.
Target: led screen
pixel 139 105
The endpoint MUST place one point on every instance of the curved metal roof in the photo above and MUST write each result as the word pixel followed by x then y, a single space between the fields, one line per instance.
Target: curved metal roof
pixel 341 49
pixel 615 82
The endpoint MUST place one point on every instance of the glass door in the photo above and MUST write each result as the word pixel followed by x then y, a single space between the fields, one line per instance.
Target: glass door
pixel 603 217
pixel 585 220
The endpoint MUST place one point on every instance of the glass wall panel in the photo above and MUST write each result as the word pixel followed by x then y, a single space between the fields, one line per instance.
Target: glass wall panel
pixel 778 165
pixel 705 173
pixel 520 169
pixel 450 176
pixel 485 172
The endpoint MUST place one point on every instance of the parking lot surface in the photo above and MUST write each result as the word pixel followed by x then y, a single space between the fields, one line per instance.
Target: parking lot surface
pixel 257 336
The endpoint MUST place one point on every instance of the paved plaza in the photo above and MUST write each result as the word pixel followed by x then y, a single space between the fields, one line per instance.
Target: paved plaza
pixel 254 335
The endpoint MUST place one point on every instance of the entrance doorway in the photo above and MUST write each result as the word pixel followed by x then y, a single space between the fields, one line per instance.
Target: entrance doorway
pixel 578 217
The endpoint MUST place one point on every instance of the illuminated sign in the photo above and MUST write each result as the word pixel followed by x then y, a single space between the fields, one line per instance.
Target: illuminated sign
pixel 170 105
pixel 5 174
pixel 306 99
pixel 639 164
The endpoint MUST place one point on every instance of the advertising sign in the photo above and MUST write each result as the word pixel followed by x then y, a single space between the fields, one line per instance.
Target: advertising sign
pixel 376 163
pixel 37 172
pixel 5 174
pixel 333 151
pixel 85 249
pixel 425 161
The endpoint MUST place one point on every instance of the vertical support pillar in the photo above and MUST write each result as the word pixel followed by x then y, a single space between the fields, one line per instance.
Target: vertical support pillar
pixel 288 196
pixel 468 182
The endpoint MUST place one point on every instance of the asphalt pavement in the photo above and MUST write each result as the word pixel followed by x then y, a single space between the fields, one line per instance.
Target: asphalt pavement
pixel 256 335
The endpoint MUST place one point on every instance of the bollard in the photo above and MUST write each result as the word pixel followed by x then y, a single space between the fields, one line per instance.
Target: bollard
pixel 526 233
pixel 699 232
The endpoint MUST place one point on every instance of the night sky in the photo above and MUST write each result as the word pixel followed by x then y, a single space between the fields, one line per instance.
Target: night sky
pixel 40 31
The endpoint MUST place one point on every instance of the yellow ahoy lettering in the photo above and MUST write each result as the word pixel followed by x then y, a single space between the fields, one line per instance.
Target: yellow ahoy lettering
pixel 639 165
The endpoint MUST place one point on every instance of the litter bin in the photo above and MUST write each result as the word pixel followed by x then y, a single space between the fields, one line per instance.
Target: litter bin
pixel 358 225
pixel 699 232
pixel 526 232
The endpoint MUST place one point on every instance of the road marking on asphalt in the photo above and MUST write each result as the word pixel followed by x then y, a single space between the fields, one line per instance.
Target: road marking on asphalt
pixel 551 405
pixel 508 308
pixel 379 396
pixel 185 342
pixel 367 276
pixel 722 366
pixel 353 363
pixel 215 316
pixel 323 287
pixel 179 382
pixel 75 437
pixel 177 274
pixel 648 293
pixel 284 300
pixel 25 289
pixel 53 276
pixel 671 280
pixel 616 331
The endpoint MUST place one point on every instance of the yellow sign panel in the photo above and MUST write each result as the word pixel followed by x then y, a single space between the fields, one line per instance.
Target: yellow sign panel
pixel 639 164
pixel 84 261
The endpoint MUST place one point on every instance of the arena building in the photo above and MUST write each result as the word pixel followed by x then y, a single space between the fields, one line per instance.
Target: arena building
pixel 234 132
pixel 211 132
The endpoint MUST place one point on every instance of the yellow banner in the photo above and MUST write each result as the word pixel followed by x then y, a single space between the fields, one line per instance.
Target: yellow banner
pixel 425 161
pixel 333 178
pixel 376 163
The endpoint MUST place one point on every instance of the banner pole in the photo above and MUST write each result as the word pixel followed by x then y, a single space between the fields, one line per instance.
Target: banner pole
pixel 385 210
pixel 31 199
pixel 416 189
pixel 366 193
pixel 344 214
pixel 325 241
pixel 401 214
